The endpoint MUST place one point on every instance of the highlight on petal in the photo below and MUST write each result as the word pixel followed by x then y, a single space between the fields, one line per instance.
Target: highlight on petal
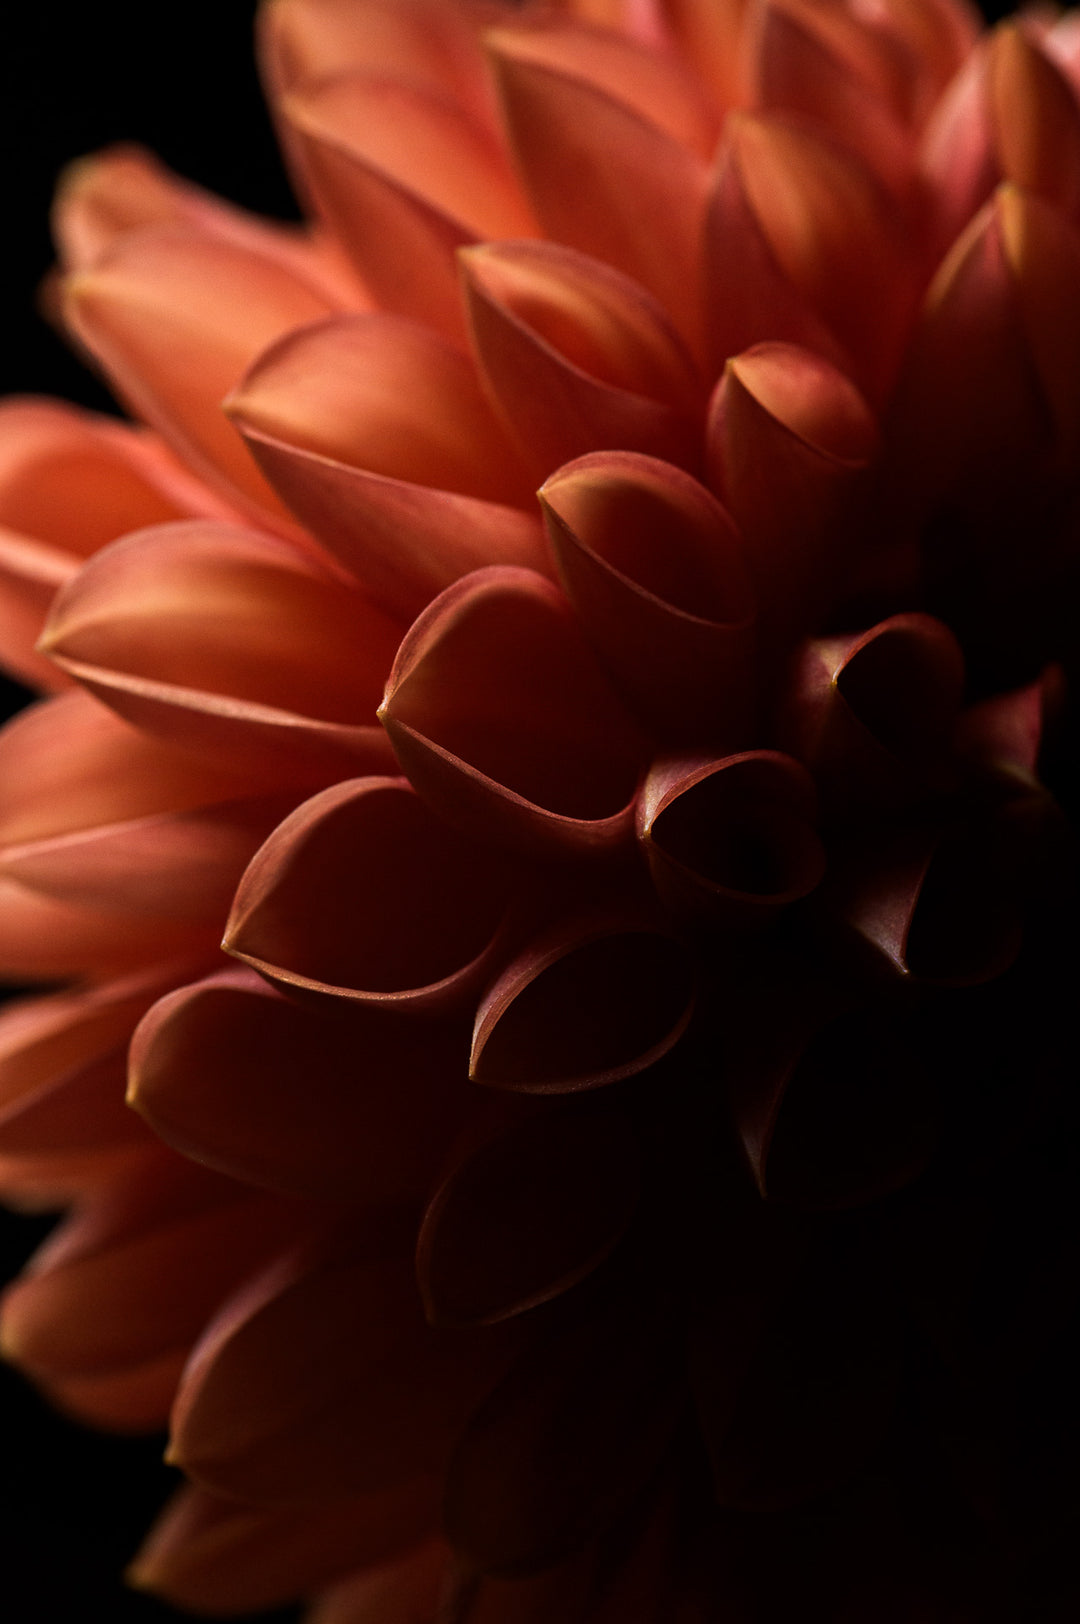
pixel 1035 119
pixel 957 161
pixel 576 356
pixel 242 1080
pixel 527 1215
pixel 268 652
pixel 731 840
pixel 503 720
pixel 174 317
pixel 655 569
pixel 346 388
pixel 590 1002
pixel 409 910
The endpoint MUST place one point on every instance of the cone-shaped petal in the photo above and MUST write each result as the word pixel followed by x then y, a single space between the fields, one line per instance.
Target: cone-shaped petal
pixel 590 1002
pixel 505 723
pixel 217 1556
pixel 175 317
pixel 409 909
pixel 347 388
pixel 577 356
pixel 268 650
pixel 732 839
pixel 237 1077
pixel 625 167
pixel 655 569
pixel 326 1381
pixel 526 1216
pixel 1035 119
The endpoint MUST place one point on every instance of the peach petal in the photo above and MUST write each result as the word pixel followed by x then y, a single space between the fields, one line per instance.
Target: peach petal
pixel 133 1400
pixel 43 939
pixel 266 645
pixel 322 1381
pixel 31 572
pixel 410 910
pixel 655 569
pixel 625 168
pixel 216 1556
pixel 714 37
pixel 527 1216
pixel 394 1593
pixel 405 542
pixel 175 316
pixel 576 356
pixel 504 722
pixel 347 388
pixel 1035 119
pixel 237 1077
pixel 788 444
pixel 731 840
pixel 590 1002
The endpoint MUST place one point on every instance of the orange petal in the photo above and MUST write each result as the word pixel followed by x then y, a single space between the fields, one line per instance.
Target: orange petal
pixel 395 1593
pixel 655 569
pixel 1043 254
pixel 504 722
pixel 30 574
pixel 588 1003
pixel 1035 119
pixel 268 651
pixel 625 167
pixel 526 1216
pixel 175 316
pixel 714 36
pixel 731 840
pixel 957 161
pixel 349 389
pixel 133 1400
pixel 577 356
pixel 42 939
pixel 237 1077
pixel 216 1556
pixel 408 910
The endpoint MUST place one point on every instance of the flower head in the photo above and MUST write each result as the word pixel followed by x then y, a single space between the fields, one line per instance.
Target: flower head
pixel 587 625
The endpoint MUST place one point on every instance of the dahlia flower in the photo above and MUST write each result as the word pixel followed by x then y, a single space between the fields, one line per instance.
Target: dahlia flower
pixel 548 842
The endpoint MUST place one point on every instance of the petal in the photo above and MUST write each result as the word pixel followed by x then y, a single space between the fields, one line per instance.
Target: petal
pixel 175 316
pixel 957 161
pixel 30 574
pixel 43 939
pixel 576 356
pixel 655 569
pixel 408 910
pixel 526 1216
pixel 351 388
pixel 1035 119
pixel 242 1080
pixel 625 167
pixel 504 722
pixel 395 1593
pixel 730 840
pixel 592 1001
pixel 268 651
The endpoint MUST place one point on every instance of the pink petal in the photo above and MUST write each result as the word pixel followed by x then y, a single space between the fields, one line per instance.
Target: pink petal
pixel 655 569
pixel 409 910
pixel 577 356
pixel 731 840
pixel 229 1073
pixel 526 1216
pixel 347 389
pixel 957 161
pixel 504 722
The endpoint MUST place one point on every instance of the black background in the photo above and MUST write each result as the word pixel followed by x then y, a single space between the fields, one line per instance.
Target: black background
pixel 179 79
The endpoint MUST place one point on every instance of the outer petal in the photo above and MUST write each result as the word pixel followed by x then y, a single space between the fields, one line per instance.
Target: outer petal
pixel 503 720
pixel 408 910
pixel 43 939
pixel 655 569
pixel 237 1077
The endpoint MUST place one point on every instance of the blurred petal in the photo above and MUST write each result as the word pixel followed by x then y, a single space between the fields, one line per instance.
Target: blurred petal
pixel 30 574
pixel 395 1593
pixel 1035 119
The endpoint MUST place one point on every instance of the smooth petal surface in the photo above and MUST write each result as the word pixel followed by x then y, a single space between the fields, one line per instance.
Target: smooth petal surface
pixel 504 722
pixel 30 574
pixel 230 1073
pixel 1035 119
pixel 655 568
pixel 411 909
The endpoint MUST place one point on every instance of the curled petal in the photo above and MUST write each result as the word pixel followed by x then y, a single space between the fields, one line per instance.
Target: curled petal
pixel 408 911
pixel 655 569
pixel 526 1216
pixel 267 648
pixel 217 1556
pixel 405 542
pixel 731 840
pixel 240 1079
pixel 175 317
pixel 505 723
pixel 576 356
pixel 1035 119
pixel 347 388
pixel 587 1004
pixel 1010 730
pixel 626 168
